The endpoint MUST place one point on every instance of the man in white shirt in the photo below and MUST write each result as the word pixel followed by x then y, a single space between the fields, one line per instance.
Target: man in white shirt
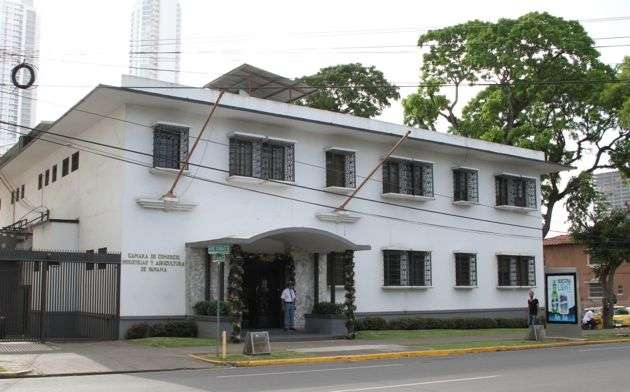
pixel 288 306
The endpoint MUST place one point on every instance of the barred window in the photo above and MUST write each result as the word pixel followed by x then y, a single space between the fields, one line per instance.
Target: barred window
pixel 340 169
pixel 65 167
pixel 515 191
pixel 22 188
pixel 170 146
pixel 595 290
pixel 465 185
pixel 517 270
pixel 334 268
pixel 408 177
pixel 75 161
pixel 261 159
pixel 47 177
pixel 465 269
pixel 54 173
pixel 40 181
pixel 406 268
pixel 12 197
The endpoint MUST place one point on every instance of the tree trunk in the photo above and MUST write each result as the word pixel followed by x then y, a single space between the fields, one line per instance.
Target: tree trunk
pixel 609 299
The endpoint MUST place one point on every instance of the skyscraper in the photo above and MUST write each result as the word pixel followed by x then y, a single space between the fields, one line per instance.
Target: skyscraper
pixel 614 188
pixel 155 35
pixel 20 42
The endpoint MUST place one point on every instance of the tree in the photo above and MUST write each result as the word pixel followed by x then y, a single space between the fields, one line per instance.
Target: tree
pixel 618 96
pixel 541 87
pixel 606 234
pixel 350 88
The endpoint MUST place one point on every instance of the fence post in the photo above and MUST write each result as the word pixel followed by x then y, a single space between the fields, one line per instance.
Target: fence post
pixel 42 301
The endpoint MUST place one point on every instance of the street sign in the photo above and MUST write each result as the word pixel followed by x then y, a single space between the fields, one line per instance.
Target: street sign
pixel 219 252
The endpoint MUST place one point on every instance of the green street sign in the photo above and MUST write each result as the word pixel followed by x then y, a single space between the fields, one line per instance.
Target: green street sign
pixel 218 249
pixel 219 252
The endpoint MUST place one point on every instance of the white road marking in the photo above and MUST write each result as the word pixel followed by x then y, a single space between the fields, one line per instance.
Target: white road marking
pixel 606 348
pixel 415 384
pixel 311 371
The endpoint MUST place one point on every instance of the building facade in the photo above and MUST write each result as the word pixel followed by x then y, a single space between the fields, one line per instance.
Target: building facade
pixel 562 251
pixel 155 35
pixel 615 189
pixel 447 226
pixel 19 35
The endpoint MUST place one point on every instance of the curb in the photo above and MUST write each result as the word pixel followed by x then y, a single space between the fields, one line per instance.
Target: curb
pixel 19 373
pixel 400 354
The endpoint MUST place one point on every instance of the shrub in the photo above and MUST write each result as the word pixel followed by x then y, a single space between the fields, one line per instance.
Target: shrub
pixel 179 329
pixel 138 331
pixel 371 324
pixel 415 323
pixel 209 308
pixel 327 308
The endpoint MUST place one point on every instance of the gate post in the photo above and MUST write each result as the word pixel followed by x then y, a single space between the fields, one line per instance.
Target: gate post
pixel 42 301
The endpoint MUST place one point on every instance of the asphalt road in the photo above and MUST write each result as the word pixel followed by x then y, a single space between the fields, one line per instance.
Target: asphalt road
pixel 585 368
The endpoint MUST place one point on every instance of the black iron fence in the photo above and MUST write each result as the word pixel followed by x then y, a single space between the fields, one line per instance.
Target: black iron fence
pixel 58 295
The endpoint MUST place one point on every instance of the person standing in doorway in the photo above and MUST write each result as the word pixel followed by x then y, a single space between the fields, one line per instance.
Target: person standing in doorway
pixel 288 306
pixel 532 305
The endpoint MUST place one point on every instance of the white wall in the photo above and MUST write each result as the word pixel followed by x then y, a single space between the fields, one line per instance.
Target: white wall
pixel 224 211
pixel 92 194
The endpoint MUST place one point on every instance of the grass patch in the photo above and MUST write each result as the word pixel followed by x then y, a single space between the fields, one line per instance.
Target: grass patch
pixel 606 335
pixel 2 369
pixel 174 342
pixel 436 333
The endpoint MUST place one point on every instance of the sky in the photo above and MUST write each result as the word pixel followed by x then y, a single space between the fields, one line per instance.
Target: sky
pixel 86 42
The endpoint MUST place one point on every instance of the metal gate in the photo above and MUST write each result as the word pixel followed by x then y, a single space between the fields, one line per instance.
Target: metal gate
pixel 59 295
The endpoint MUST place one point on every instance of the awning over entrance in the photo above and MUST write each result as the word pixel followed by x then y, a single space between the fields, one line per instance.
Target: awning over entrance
pixel 306 238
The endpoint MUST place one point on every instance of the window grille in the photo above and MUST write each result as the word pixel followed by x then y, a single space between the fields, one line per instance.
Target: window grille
pixel 408 177
pixel 262 159
pixel 465 269
pixel 515 191
pixel 170 146
pixel 517 271
pixel 406 268
pixel 75 161
pixel 465 185
pixel 335 268
pixel 65 167
pixel 340 169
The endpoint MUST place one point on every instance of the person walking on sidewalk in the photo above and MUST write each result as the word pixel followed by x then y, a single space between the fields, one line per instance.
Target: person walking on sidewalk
pixel 532 305
pixel 288 306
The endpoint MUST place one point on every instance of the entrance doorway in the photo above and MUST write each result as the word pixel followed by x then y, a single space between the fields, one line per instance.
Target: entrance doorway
pixel 263 283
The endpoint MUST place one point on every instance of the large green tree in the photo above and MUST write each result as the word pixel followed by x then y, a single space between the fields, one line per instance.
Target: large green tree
pixel 606 234
pixel 350 88
pixel 540 85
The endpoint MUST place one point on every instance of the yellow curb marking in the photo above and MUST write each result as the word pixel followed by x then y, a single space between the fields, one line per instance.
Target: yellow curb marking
pixel 399 354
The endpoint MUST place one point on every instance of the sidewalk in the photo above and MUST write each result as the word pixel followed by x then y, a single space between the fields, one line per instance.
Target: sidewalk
pixel 128 356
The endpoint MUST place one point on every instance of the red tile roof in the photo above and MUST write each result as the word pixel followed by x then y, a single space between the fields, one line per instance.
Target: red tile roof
pixel 564 239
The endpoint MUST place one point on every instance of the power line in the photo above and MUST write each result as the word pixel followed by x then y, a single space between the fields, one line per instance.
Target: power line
pixel 194 177
pixel 280 182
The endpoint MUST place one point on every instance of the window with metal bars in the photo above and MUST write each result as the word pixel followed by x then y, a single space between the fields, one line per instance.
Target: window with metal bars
pixel 515 191
pixel 465 269
pixel 265 159
pixel 74 164
pixel 406 268
pixel 340 169
pixel 40 181
pixel 465 185
pixel 408 177
pixel 65 167
pixel 334 269
pixel 170 146
pixel 47 178
pixel 54 173
pixel 516 270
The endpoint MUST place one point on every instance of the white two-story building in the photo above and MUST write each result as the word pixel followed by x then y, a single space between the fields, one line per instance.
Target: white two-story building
pixel 448 225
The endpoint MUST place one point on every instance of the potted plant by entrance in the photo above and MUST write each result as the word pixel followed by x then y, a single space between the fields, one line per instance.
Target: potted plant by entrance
pixel 326 318
pixel 206 319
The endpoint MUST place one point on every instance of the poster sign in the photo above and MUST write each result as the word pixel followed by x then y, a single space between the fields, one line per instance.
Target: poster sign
pixel 219 252
pixel 561 298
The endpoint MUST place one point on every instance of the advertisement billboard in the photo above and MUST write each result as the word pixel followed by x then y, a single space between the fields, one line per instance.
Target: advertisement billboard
pixel 561 298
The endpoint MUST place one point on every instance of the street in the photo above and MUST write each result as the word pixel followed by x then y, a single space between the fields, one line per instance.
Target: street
pixel 585 368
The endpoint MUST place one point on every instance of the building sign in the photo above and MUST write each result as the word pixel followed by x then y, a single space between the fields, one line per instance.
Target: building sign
pixel 153 262
pixel 561 298
pixel 219 252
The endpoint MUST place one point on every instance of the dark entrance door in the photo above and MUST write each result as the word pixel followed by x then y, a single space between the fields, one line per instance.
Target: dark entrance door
pixel 264 281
